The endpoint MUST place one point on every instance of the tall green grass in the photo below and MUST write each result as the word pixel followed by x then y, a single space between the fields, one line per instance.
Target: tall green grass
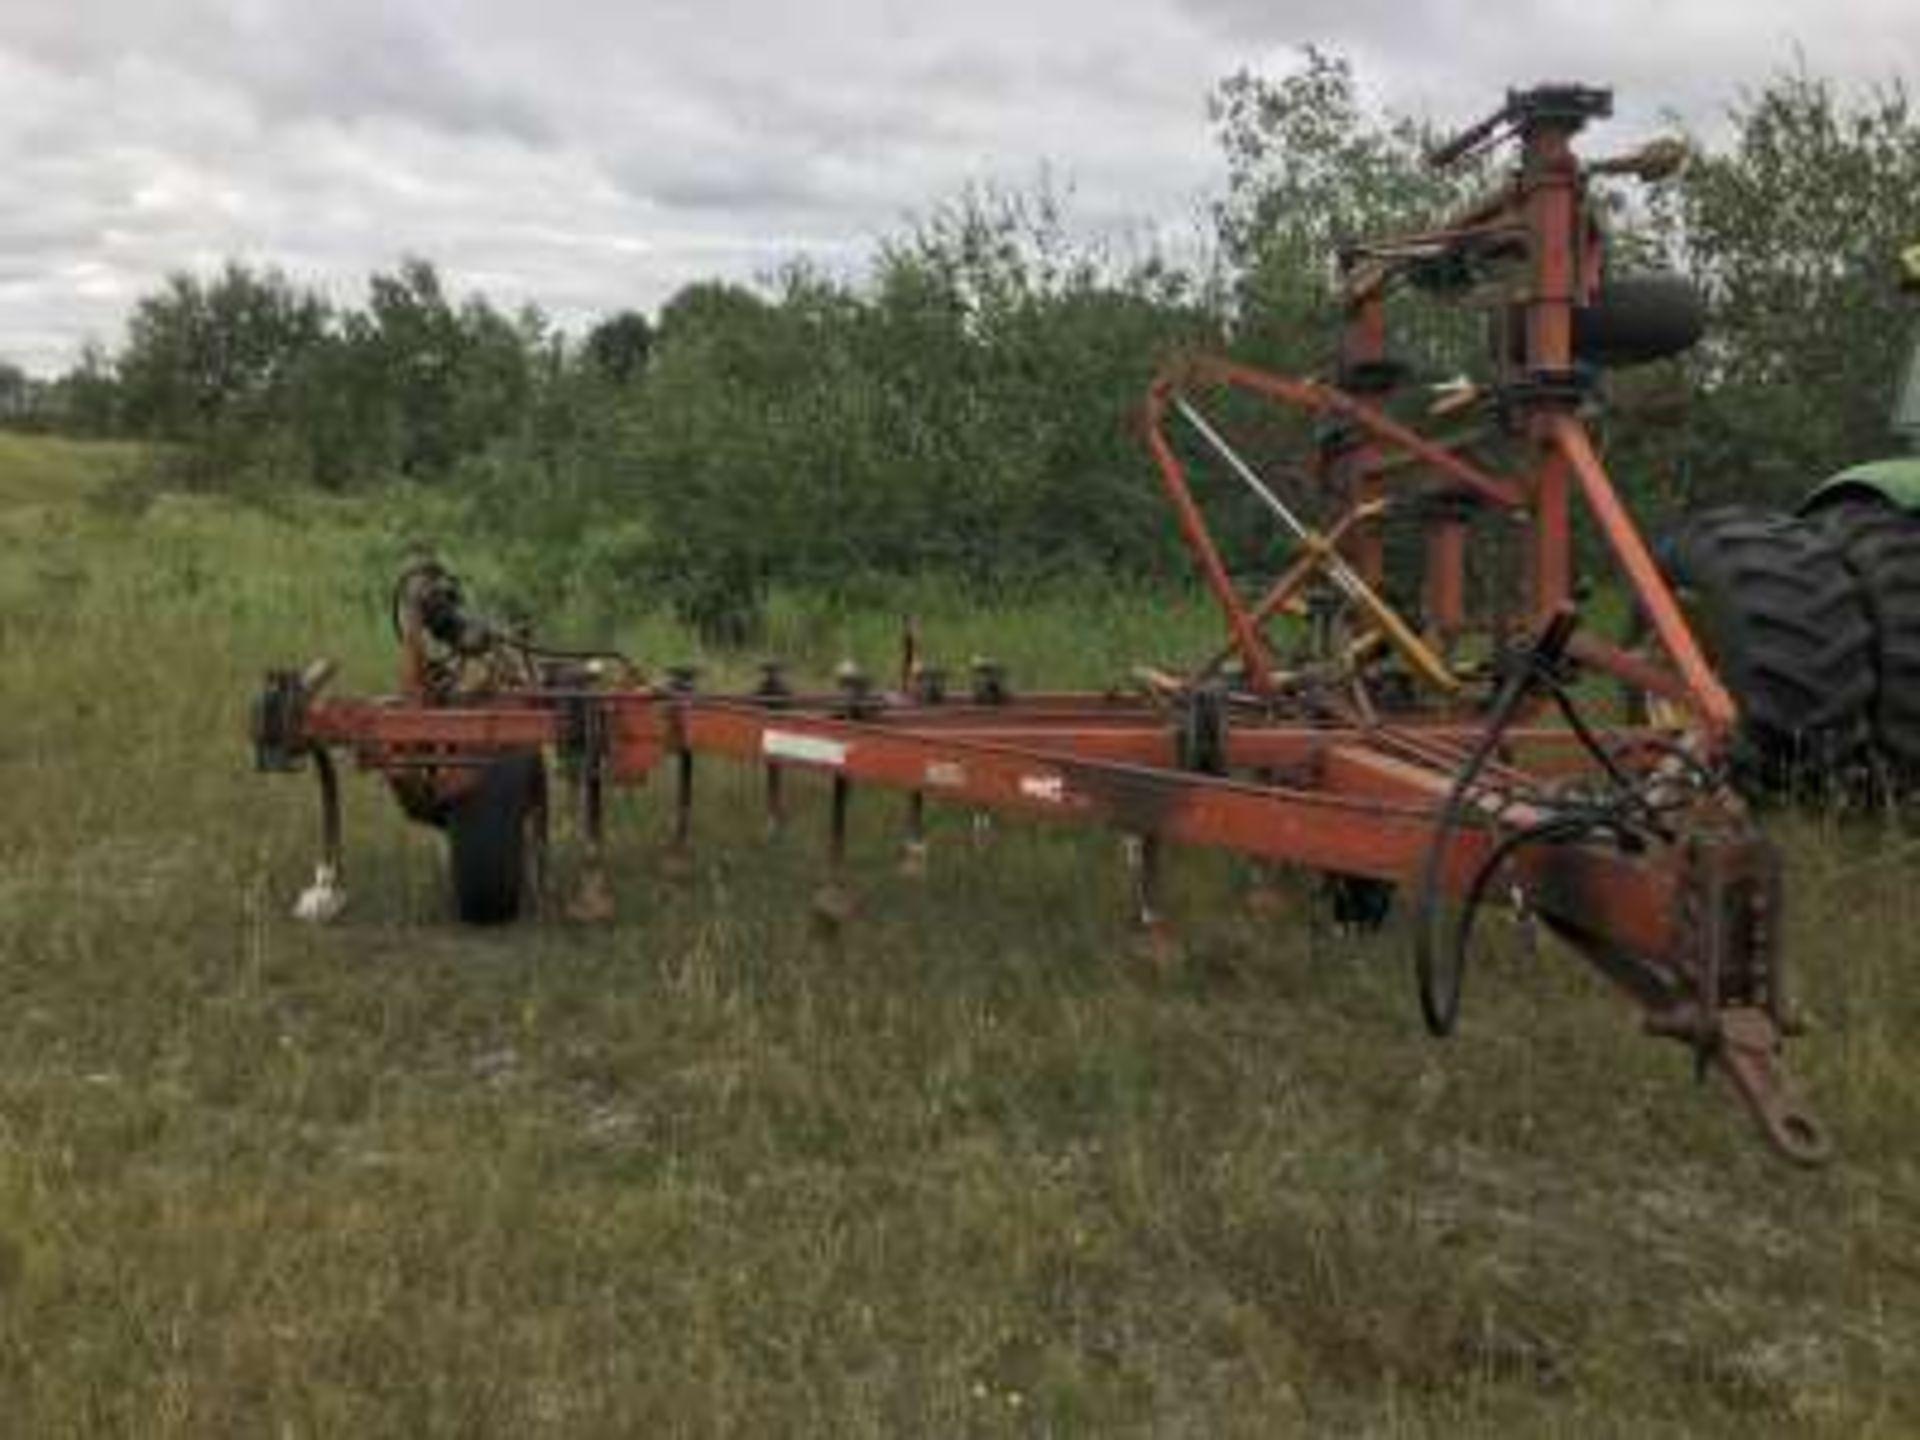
pixel 975 1167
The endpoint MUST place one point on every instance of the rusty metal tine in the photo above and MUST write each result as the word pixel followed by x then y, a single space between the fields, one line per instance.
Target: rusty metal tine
pixel 833 902
pixel 676 862
pixel 1150 924
pixel 326 896
pixel 776 802
pixel 913 848
pixel 593 897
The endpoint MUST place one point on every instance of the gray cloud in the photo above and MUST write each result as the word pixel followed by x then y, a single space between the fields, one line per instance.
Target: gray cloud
pixel 344 60
pixel 591 153
pixel 1693 57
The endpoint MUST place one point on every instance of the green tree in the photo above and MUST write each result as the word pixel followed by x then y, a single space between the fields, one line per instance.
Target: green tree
pixel 618 346
pixel 1311 169
pixel 1792 231
pixel 968 408
pixel 88 400
pixel 16 393
pixel 212 365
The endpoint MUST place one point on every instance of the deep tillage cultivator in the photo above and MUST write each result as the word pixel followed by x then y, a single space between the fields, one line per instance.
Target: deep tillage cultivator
pixel 1394 746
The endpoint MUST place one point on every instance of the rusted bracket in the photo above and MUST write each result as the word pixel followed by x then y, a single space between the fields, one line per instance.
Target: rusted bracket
pixel 277 724
pixel 1738 1013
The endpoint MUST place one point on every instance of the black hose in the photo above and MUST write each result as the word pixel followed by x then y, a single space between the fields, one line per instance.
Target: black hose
pixel 1628 814
pixel 1441 1008
pixel 1583 732
pixel 1440 1005
pixel 1556 829
pixel 491 633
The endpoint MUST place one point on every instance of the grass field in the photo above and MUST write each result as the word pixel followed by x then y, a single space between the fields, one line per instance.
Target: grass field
pixel 974 1168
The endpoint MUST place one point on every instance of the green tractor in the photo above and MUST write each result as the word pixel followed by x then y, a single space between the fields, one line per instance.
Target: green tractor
pixel 1813 618
pixel 1872 513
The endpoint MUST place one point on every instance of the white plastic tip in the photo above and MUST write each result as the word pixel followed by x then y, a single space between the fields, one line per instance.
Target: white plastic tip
pixel 323 900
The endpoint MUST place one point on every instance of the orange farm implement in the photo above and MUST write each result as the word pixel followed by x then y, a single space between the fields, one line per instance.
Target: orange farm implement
pixel 1411 747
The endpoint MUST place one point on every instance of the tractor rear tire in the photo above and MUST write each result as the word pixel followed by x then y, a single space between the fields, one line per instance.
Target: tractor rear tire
pixel 494 835
pixel 1881 545
pixel 1781 617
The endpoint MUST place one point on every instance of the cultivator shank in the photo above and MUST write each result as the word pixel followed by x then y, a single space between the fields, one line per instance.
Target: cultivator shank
pixel 1337 731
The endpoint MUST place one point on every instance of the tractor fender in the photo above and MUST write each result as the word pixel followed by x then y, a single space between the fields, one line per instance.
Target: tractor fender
pixel 1895 481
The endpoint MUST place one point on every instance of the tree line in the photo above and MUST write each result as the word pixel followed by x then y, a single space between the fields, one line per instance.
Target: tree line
pixel 966 405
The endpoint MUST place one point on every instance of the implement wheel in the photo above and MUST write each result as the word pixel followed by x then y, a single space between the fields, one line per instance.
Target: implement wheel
pixel 1781 617
pixel 1881 545
pixel 495 838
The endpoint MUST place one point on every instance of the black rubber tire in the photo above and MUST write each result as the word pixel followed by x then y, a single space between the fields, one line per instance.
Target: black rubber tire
pixel 1638 318
pixel 1881 545
pixel 1359 904
pixel 1783 621
pixel 491 834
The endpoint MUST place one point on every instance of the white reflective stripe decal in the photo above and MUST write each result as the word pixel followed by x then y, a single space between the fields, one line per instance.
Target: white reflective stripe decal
pixel 808 749
pixel 1050 788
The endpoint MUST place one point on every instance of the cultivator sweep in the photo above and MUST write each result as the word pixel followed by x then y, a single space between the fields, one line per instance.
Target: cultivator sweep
pixel 1391 747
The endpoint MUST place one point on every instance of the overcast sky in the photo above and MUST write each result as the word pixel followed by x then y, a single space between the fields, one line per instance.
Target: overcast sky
pixel 590 154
